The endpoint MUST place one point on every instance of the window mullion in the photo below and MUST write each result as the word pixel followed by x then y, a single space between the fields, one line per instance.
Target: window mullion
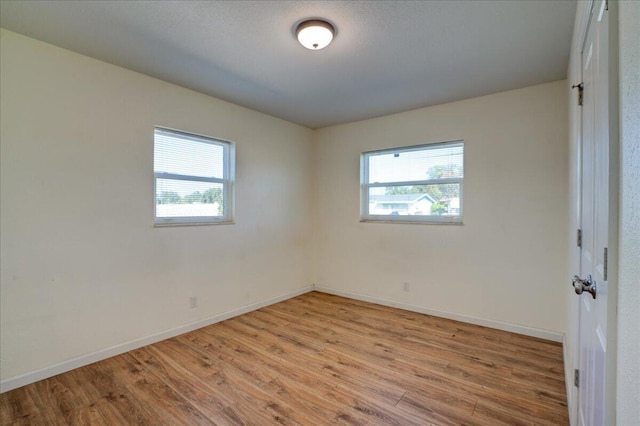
pixel 415 182
pixel 174 176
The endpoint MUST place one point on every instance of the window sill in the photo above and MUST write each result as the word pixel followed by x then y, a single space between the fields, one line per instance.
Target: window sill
pixel 171 224
pixel 411 222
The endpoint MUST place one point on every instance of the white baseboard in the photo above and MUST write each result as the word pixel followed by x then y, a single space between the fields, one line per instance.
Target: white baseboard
pixel 81 361
pixel 44 373
pixel 499 325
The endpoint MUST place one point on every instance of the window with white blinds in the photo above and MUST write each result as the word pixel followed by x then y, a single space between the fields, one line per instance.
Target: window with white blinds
pixel 413 184
pixel 193 178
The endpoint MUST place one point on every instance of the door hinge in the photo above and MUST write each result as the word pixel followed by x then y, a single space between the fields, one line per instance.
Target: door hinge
pixel 576 378
pixel 579 239
pixel 580 87
pixel 606 263
pixel 606 5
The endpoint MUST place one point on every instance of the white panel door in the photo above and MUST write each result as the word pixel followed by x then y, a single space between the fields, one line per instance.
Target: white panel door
pixel 594 221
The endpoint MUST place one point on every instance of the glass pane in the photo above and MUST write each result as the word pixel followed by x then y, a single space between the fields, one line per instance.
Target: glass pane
pixel 184 198
pixel 417 200
pixel 445 161
pixel 187 155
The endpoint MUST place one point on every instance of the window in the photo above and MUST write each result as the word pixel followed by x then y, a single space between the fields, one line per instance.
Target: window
pixel 413 184
pixel 193 178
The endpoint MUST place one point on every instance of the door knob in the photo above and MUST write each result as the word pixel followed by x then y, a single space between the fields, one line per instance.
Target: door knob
pixel 581 285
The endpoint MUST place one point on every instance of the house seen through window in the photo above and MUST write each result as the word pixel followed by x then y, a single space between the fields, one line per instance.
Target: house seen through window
pixel 193 178
pixel 413 184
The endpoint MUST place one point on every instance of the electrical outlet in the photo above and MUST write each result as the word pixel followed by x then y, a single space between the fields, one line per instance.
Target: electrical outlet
pixel 193 302
pixel 405 286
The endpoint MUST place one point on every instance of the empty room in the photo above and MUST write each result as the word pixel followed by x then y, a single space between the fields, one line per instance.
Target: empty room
pixel 320 212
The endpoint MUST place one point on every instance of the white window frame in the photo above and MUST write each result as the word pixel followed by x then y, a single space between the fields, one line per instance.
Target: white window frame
pixel 365 185
pixel 227 182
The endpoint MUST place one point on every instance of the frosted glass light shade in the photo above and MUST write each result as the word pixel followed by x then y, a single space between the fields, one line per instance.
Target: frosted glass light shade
pixel 315 34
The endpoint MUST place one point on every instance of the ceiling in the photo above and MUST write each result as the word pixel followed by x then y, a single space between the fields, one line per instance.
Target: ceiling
pixel 387 56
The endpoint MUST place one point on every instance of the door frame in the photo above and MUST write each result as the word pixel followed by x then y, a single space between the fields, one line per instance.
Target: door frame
pixel 571 343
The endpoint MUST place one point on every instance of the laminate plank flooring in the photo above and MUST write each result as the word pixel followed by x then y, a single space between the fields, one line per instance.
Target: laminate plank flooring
pixel 316 359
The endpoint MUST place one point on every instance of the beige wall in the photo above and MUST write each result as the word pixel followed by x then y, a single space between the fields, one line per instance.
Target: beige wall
pixel 83 268
pixel 507 263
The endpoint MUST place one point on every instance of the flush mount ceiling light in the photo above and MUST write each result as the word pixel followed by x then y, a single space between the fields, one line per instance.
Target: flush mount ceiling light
pixel 315 34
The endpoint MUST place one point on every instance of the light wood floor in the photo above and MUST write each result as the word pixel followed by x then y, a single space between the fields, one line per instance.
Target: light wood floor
pixel 316 359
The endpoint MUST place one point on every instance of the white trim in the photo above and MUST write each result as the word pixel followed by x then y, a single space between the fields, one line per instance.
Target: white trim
pixel 574 75
pixel 568 378
pixel 581 23
pixel 432 220
pixel 499 325
pixel 366 185
pixel 227 180
pixel 81 361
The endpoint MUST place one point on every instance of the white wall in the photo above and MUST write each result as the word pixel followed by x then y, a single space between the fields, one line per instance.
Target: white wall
pixel 83 268
pixel 628 366
pixel 507 263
